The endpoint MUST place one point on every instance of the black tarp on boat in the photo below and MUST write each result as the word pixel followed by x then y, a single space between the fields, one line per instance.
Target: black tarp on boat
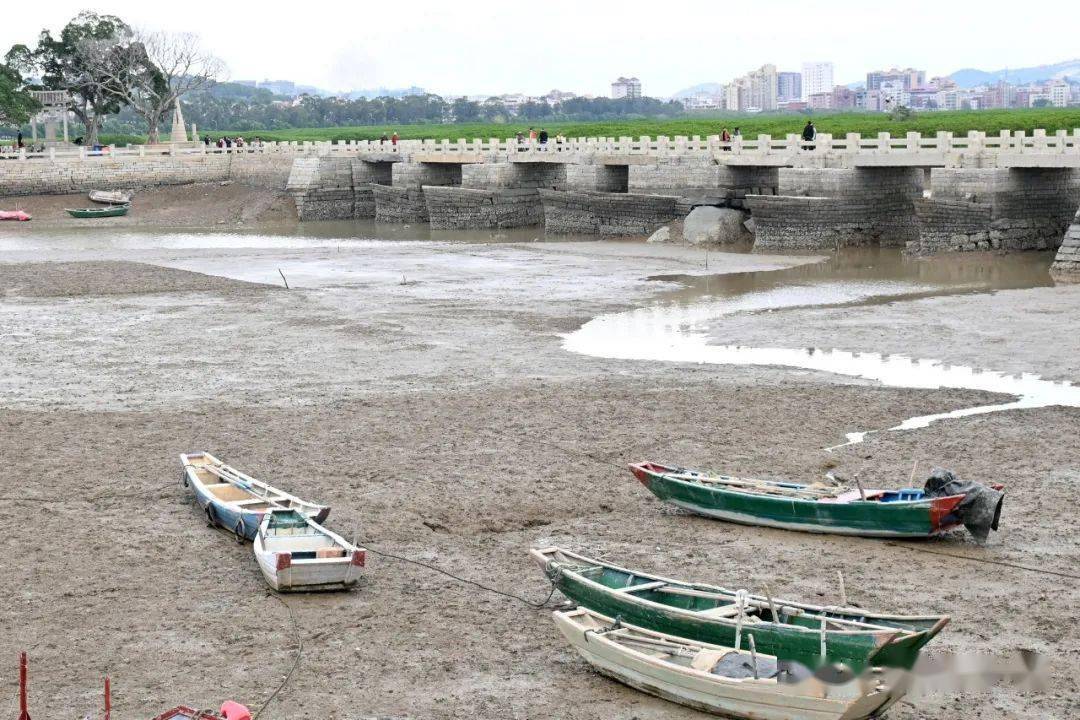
pixel 980 509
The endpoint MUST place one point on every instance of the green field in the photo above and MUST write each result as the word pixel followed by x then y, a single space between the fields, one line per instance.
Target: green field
pixel 777 125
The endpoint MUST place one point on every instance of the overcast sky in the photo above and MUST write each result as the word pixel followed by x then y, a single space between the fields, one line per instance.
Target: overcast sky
pixel 482 47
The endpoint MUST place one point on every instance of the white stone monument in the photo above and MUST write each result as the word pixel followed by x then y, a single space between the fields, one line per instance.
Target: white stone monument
pixel 179 132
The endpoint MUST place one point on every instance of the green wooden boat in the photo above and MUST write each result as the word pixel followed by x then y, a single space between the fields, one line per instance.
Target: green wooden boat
pixel 111 211
pixel 906 513
pixel 854 637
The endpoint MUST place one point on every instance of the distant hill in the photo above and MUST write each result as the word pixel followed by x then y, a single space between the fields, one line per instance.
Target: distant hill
pixel 970 77
pixel 709 88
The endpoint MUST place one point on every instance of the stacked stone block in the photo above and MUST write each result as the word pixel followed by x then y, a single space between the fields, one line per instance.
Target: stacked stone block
pixel 1029 209
pixel 824 208
pixel 697 177
pixel 600 213
pixel 403 200
pixel 1067 263
pixel 452 207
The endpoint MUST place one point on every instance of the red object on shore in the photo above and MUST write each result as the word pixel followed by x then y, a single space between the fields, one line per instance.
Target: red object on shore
pixel 235 711
pixel 108 698
pixel 23 712
pixel 20 215
pixel 183 712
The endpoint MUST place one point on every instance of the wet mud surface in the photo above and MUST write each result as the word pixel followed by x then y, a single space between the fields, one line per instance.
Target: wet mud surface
pixel 422 389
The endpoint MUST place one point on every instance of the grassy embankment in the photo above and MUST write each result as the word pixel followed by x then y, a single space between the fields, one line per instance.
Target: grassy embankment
pixel 777 125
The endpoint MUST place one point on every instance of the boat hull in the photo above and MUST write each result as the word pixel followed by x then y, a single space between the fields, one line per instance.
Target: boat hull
pixel 243 523
pixel 918 519
pixel 308 575
pixel 791 641
pixel 753 701
pixel 86 213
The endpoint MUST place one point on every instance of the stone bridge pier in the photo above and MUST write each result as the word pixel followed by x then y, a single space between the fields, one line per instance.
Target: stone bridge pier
pixel 827 208
pixel 336 188
pixel 495 195
pixel 403 199
pixel 1008 209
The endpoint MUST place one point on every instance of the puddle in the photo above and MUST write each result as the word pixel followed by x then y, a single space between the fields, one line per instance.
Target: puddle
pixel 676 327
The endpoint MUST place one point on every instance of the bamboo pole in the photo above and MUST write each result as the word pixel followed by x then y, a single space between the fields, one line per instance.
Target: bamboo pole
pixel 753 654
pixel 772 605
pixel 24 714
pixel 843 589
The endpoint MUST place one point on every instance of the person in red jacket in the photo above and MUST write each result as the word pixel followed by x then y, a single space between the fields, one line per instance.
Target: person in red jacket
pixel 394 138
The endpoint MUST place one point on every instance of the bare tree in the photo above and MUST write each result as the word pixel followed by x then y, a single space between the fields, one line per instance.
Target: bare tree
pixel 152 71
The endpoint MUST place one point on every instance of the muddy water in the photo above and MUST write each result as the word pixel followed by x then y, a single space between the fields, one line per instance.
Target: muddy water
pixel 676 327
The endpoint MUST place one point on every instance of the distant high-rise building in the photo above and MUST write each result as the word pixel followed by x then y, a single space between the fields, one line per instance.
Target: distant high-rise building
pixel 788 86
pixel 909 78
pixel 753 92
pixel 626 88
pixel 817 78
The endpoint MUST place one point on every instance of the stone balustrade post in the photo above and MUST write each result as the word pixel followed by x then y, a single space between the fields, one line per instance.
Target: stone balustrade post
pixel 663 145
pixel 794 143
pixel 142 151
pixel 884 142
pixel 1061 141
pixel 737 145
pixel 823 144
pixel 22 153
pixel 914 142
pixel 764 144
pixel 944 141
pixel 853 140
pixel 713 142
pixel 1039 141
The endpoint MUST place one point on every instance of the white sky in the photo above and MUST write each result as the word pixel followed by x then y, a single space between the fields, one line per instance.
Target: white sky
pixel 483 47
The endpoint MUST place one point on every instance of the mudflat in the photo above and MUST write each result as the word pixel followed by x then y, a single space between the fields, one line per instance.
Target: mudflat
pixel 421 388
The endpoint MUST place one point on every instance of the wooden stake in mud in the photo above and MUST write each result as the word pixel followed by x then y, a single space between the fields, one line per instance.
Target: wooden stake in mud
pixel 862 493
pixel 753 655
pixel 23 712
pixel 283 278
pixel 843 590
pixel 772 605
pixel 913 469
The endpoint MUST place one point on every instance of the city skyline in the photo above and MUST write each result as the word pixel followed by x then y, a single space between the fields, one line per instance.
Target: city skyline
pixel 496 49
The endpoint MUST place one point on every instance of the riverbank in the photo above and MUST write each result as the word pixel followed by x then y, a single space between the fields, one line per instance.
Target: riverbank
pixel 197 205
pixel 422 390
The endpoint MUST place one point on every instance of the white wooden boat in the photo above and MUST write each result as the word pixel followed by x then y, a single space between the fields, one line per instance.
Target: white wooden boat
pixel 295 553
pixel 236 501
pixel 110 197
pixel 719 679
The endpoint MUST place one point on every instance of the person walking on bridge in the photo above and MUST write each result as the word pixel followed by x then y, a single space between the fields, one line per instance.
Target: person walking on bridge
pixel 725 138
pixel 394 138
pixel 809 133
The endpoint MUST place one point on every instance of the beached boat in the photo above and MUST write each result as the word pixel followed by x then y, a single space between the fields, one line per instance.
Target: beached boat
pixel 721 679
pixel 18 215
pixel 905 513
pixel 792 630
pixel 236 501
pixel 110 197
pixel 112 211
pixel 295 553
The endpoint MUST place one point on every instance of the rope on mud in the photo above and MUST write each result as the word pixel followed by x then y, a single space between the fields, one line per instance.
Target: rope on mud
pixel 466 581
pixel 296 662
pixel 987 561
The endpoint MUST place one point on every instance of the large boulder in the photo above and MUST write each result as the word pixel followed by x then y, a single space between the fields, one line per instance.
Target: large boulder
pixel 715 225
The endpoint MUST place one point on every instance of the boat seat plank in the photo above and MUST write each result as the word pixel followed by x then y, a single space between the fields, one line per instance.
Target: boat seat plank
pixel 643 586
pixel 722 611
pixel 705 660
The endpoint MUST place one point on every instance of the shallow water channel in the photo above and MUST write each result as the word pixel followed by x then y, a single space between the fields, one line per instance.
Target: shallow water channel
pixel 676 327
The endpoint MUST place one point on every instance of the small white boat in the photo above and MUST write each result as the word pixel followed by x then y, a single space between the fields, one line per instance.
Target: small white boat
pixel 722 680
pixel 295 553
pixel 110 197
pixel 236 501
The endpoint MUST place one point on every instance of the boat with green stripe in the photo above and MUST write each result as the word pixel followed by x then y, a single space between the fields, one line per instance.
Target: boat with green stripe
pixel 905 513
pixel 111 211
pixel 810 634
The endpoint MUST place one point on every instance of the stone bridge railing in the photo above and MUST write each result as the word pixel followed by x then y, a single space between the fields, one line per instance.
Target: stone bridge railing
pixel 1035 149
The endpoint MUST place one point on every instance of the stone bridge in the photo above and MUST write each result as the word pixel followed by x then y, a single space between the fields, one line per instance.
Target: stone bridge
pixel 930 194
pixel 1009 191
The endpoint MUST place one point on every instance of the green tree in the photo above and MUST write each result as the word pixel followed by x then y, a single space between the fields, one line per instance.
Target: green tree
pixel 61 64
pixel 16 103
